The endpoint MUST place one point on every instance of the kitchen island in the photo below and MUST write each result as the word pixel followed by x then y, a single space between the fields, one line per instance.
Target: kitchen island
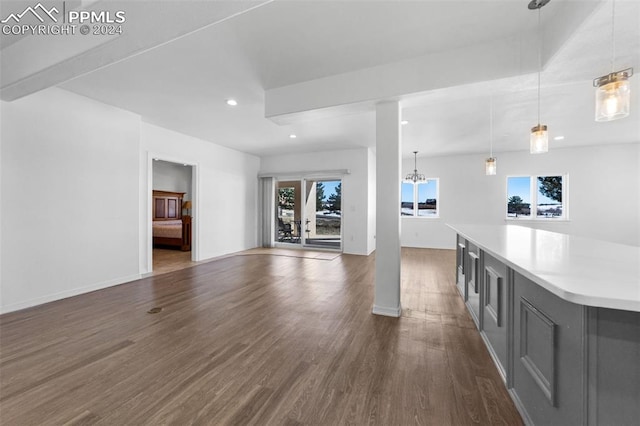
pixel 560 316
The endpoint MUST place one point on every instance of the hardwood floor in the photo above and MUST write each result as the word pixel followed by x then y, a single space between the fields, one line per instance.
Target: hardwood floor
pixel 256 339
pixel 168 260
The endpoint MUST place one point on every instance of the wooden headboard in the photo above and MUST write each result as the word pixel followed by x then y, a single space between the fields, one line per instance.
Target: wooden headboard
pixel 167 205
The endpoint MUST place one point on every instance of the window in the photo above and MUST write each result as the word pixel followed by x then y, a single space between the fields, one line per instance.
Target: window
pixel 536 197
pixel 408 199
pixel 519 196
pixel 419 199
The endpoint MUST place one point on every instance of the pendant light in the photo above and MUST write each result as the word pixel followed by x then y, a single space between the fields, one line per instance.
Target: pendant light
pixel 539 139
pixel 415 177
pixel 613 91
pixel 490 164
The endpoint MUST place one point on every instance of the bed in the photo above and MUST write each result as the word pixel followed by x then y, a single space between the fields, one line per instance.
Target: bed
pixel 170 227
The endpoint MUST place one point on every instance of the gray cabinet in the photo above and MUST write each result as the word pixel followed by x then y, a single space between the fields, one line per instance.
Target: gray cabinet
pixel 563 363
pixel 472 286
pixel 613 358
pixel 494 309
pixel 549 371
pixel 461 254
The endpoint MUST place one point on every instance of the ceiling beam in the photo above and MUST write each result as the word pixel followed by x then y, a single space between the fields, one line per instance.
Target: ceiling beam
pixel 36 62
pixel 360 90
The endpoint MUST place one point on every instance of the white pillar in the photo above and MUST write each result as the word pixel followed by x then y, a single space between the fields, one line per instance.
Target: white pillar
pixel 388 169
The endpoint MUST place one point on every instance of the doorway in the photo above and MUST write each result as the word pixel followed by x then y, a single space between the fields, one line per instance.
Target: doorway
pixel 309 213
pixel 323 221
pixel 172 202
pixel 289 212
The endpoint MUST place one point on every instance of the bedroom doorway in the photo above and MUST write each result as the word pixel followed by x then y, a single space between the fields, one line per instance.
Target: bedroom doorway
pixel 172 202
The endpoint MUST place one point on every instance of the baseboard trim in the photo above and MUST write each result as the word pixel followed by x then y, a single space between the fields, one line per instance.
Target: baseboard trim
pixel 387 312
pixel 520 407
pixel 67 293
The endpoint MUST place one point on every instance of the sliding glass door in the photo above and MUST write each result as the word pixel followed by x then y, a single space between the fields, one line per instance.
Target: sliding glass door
pixel 323 213
pixel 309 213
pixel 289 212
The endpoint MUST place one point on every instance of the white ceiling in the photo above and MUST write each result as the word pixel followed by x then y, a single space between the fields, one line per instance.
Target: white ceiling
pixel 182 85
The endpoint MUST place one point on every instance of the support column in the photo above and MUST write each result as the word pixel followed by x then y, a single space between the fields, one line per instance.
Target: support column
pixel 388 169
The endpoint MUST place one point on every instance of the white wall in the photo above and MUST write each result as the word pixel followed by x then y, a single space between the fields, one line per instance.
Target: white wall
pixel 75 185
pixel 355 189
pixel 604 183
pixel 225 201
pixel 173 177
pixel 371 210
pixel 1 168
pixel 69 204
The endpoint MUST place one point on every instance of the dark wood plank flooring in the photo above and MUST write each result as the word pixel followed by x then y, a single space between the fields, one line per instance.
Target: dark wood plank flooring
pixel 254 339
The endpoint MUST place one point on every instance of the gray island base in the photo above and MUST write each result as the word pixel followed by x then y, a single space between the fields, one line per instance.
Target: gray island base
pixel 560 316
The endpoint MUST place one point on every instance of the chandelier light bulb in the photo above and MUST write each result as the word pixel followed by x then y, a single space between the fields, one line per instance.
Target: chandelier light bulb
pixel 612 104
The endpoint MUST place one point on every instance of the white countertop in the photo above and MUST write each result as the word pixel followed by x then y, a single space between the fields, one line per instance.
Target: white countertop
pixel 580 270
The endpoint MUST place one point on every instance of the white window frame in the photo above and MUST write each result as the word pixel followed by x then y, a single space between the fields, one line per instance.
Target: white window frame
pixel 533 191
pixel 416 201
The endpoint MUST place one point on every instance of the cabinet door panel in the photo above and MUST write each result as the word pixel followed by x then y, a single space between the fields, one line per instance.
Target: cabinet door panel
pixel 614 367
pixel 494 310
pixel 549 347
pixel 537 347
pixel 472 287
pixel 493 298
pixel 461 253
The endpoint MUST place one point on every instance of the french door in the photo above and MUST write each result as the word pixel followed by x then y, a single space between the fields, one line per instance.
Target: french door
pixel 323 213
pixel 309 213
pixel 288 203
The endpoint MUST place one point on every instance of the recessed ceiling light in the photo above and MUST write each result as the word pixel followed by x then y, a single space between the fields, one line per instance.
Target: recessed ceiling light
pixel 292 136
pixel 232 102
pixel 558 138
pixel 403 122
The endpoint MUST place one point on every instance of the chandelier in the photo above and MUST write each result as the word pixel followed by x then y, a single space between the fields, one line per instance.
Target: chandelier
pixel 415 176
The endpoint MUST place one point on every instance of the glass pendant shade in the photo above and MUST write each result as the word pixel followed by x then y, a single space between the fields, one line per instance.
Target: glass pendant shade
pixel 490 166
pixel 539 142
pixel 613 95
pixel 539 139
